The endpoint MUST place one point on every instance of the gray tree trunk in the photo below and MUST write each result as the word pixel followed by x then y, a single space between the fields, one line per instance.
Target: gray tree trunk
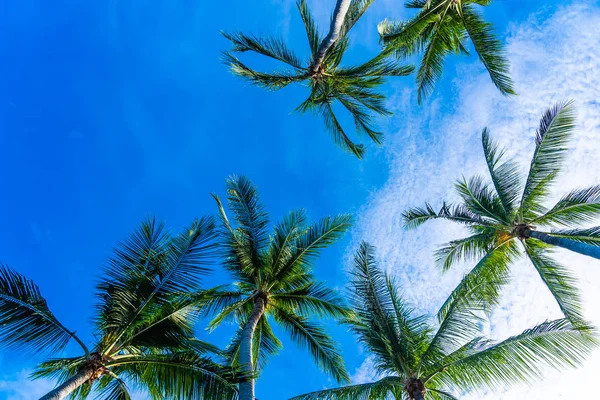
pixel 570 244
pixel 69 386
pixel 247 388
pixel 337 22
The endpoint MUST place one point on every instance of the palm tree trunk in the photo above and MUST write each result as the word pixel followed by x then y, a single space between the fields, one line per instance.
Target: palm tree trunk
pixel 70 385
pixel 570 244
pixel 337 22
pixel 247 388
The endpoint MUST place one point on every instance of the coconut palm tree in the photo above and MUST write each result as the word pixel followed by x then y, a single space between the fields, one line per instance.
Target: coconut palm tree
pixel 442 27
pixel 274 284
pixel 143 323
pixel 418 361
pixel 504 212
pixel 352 87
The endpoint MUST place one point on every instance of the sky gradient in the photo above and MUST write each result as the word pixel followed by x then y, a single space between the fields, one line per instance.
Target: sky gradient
pixel 112 111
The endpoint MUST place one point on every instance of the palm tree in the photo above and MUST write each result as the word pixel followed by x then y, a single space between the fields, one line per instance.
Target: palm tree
pixel 143 322
pixel 505 212
pixel 417 361
pixel 352 87
pixel 442 27
pixel 274 283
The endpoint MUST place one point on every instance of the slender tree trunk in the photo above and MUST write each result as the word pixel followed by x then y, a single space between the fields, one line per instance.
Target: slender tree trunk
pixel 69 386
pixel 570 244
pixel 337 22
pixel 247 388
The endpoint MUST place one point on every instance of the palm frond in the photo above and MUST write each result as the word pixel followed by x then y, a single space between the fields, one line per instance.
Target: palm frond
pixel 432 63
pixel 355 11
pixel 264 345
pixel 481 200
pixel 146 271
pixel 417 216
pixel 579 206
pixel 337 132
pixel 311 242
pixel 272 80
pixel 313 337
pixel 489 48
pixel 505 175
pixel 551 139
pixel 366 391
pixel 469 248
pixel 27 324
pixel 480 289
pixel 314 298
pixel 267 46
pixel 559 281
pixel 182 375
pixel 520 358
pixel 310 26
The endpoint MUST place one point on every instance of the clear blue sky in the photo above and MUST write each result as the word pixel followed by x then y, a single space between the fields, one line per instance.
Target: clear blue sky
pixel 114 110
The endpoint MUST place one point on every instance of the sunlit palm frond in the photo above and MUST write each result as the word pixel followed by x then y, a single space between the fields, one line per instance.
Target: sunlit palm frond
pixel 577 207
pixel 480 289
pixel 520 358
pixel 481 200
pixel 551 140
pixel 505 175
pixel 27 324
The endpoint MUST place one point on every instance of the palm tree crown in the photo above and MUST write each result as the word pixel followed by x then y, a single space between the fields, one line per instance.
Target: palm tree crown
pixel 351 87
pixel 416 361
pixel 442 27
pixel 143 322
pixel 505 212
pixel 273 282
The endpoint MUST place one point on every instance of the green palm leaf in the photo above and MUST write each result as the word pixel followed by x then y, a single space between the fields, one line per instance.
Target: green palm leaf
pixel 552 136
pixel 311 335
pixel 267 46
pixel 579 206
pixel 366 391
pixel 559 281
pixel 489 48
pixel 27 322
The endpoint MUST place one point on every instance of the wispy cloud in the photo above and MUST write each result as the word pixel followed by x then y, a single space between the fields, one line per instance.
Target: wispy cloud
pixel 553 59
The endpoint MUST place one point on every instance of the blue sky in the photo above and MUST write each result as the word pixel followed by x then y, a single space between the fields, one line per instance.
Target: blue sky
pixel 112 111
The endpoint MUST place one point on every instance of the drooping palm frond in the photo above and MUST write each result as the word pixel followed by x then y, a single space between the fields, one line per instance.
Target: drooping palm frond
pixel 489 48
pixel 557 278
pixel 27 324
pixel 556 127
pixel 312 336
pixel 470 248
pixel 312 298
pixel 264 345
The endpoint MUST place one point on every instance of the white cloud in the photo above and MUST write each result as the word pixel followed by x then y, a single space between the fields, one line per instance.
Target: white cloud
pixel 553 59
